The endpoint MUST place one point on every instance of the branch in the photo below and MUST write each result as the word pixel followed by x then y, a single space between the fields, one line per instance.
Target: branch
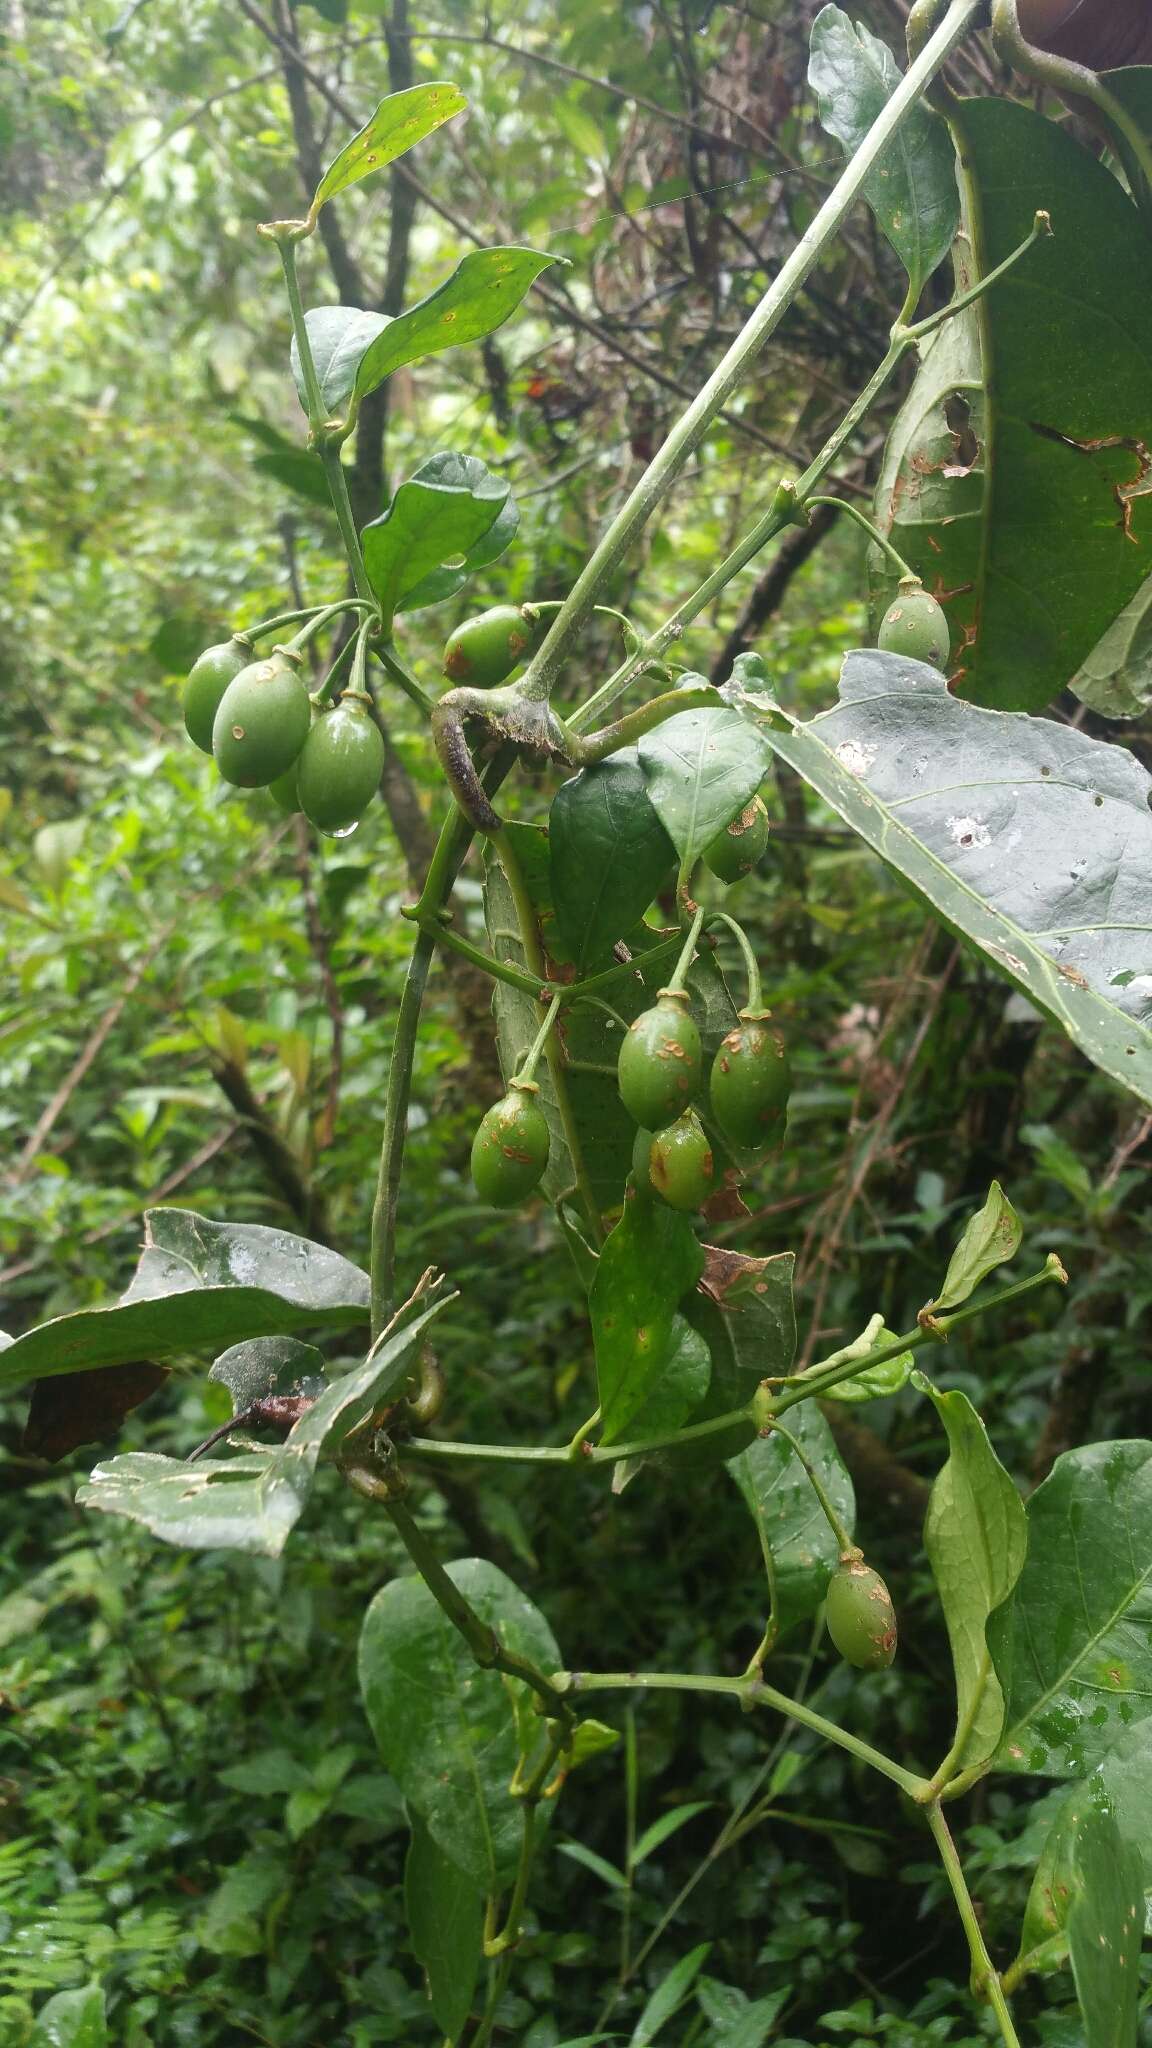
pixel 767 593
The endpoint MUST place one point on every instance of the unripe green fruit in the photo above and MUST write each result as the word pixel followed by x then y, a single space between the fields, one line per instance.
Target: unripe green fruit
pixel 284 792
pixel 916 627
pixel 658 1069
pixel 735 851
pixel 485 650
pixel 338 772
pixel 860 1616
pixel 680 1164
pixel 262 722
pixel 510 1149
pixel 208 678
pixel 750 1083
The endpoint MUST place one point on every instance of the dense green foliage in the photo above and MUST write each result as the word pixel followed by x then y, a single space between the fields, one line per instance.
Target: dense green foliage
pixel 200 1007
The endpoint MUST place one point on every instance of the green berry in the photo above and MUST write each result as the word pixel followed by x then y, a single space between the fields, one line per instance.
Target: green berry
pixel 510 1149
pixel 485 650
pixel 658 1069
pixel 915 626
pixel 262 722
pixel 208 678
pixel 860 1616
pixel 680 1164
pixel 338 772
pixel 750 1083
pixel 735 851
pixel 284 791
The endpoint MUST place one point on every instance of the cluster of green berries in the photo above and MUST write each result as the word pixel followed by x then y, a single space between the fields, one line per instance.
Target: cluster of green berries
pixel 255 717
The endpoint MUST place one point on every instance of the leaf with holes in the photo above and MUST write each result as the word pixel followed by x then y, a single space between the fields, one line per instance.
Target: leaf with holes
pixel 1030 839
pixel 1023 510
pixel 912 190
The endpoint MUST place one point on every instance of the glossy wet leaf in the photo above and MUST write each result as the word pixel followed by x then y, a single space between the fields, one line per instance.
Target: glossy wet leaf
pixel 744 1310
pixel 648 1264
pixel 445 1913
pixel 912 190
pixel 400 121
pixel 1072 1648
pixel 446 1729
pixel 485 287
pixel 265 1365
pixel 252 1502
pixel 793 1529
pixel 442 513
pixel 976 1536
pixel 609 855
pixel 990 1239
pixel 1105 1929
pixel 1008 480
pixel 338 336
pixel 1116 678
pixel 700 769
pixel 1120 1784
pixel 1032 840
pixel 198 1284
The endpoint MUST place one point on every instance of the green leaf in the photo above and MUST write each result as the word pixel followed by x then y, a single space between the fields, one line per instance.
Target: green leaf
pixel 400 121
pixel 1031 840
pixel 253 1502
pixel 589 1739
pixel 1116 678
pixel 737 2021
pixel 485 287
pixel 1005 485
pixel 445 582
pixel 912 190
pixel 609 856
pixel 991 1238
pixel 1072 1648
pixel 668 1996
pixel 598 1865
pixel 874 1382
pixel 232 1922
pixel 298 469
pixel 976 1536
pixel 744 1310
pixel 268 1365
pixel 681 1386
pixel 648 1264
pixel 441 513
pixel 1105 1929
pixel 71 2019
pixel 669 1824
pixel 700 770
pixel 792 1526
pixel 1121 1784
pixel 446 1922
pixel 338 337
pixel 446 1730
pixel 198 1283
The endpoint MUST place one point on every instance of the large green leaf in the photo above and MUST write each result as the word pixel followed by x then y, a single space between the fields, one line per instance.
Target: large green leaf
pixel 198 1285
pixel 71 2019
pixel 440 514
pixel 485 287
pixel 700 770
pixel 1008 486
pixel 1073 1646
pixel 1121 1783
pixel 338 337
pixel 744 1310
pixel 649 1263
pixel 1105 1927
pixel 794 1532
pixel 1031 839
pixel 1116 678
pixel 446 1922
pixel 912 191
pixel 253 1502
pixel 976 1536
pixel 609 853
pixel 449 1732
pixel 400 121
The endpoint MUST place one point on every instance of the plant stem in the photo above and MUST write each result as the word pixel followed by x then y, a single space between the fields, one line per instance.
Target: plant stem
pixel 688 953
pixel 342 504
pixel 487 962
pixel 592 1454
pixel 814 1384
pixel 1040 231
pixel 539 1043
pixel 388 658
pixel 874 535
pixel 755 1003
pixel 690 429
pixel 751 1692
pixel 985 1979
pixel 841 1534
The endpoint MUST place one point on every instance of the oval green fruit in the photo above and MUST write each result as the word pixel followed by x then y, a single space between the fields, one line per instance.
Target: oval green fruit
pixel 658 1068
pixel 680 1164
pixel 510 1149
pixel 860 1615
pixel 262 722
pixel 284 792
pixel 750 1083
pixel 338 772
pixel 915 626
pixel 484 651
pixel 735 851
pixel 208 678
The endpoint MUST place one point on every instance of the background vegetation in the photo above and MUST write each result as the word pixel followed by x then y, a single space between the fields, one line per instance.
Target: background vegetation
pixel 199 996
